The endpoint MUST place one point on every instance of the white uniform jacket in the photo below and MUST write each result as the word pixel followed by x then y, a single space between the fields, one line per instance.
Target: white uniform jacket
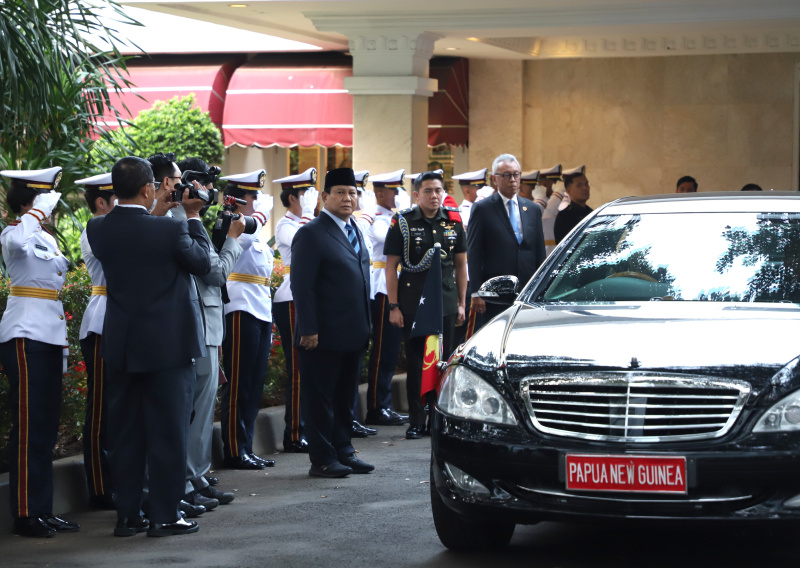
pixel 256 260
pixel 96 310
pixel 33 260
pixel 377 236
pixel 285 231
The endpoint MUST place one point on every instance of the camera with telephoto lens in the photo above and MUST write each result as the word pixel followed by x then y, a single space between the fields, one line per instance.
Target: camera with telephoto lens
pixel 224 218
pixel 210 196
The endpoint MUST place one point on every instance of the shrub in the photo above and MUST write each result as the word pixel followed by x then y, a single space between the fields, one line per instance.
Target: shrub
pixel 176 125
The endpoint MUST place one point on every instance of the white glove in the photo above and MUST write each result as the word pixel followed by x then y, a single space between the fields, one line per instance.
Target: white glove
pixel 484 192
pixel 264 204
pixel 403 200
pixel 262 208
pixel 46 202
pixel 540 194
pixel 367 202
pixel 308 201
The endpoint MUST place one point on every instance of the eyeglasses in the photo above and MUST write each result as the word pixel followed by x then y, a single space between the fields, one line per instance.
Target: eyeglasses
pixel 156 184
pixel 508 175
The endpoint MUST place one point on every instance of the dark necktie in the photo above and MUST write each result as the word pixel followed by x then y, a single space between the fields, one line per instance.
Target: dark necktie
pixel 352 237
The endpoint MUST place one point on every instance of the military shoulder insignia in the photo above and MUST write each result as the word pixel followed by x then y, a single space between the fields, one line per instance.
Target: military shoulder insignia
pixel 448 208
pixel 405 211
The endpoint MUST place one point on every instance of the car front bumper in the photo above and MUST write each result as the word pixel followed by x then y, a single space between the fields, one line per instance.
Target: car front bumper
pixel 524 474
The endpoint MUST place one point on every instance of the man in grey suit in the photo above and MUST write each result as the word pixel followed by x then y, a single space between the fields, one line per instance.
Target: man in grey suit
pixel 201 427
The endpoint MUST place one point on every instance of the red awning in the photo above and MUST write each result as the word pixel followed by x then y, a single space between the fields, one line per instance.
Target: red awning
pixel 161 82
pixel 288 106
pixel 307 105
pixel 448 109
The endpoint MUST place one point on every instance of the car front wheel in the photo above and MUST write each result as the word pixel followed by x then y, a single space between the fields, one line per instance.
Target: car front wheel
pixel 460 533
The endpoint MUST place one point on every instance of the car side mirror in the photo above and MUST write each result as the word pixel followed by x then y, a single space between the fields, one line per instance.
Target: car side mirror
pixel 500 290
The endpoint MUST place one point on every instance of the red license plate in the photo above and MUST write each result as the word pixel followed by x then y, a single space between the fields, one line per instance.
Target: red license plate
pixel 640 474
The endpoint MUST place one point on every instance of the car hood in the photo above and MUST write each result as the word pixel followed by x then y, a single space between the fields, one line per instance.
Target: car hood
pixel 725 340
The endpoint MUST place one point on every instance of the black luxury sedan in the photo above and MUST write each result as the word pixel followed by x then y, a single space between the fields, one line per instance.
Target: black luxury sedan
pixel 649 370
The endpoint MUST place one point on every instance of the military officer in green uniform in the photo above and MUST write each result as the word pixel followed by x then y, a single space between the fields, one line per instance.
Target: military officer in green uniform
pixel 413 233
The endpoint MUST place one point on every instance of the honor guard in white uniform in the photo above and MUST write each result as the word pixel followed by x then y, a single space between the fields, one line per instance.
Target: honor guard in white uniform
pixel 386 338
pixel 527 184
pixel 471 183
pixel 33 336
pixel 366 211
pixel 300 197
pixel 248 324
pixel 549 197
pixel 99 195
pixel 365 217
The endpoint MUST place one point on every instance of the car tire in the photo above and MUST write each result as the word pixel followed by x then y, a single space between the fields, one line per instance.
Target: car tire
pixel 460 533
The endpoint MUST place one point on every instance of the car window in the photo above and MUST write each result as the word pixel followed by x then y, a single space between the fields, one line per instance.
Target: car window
pixel 716 257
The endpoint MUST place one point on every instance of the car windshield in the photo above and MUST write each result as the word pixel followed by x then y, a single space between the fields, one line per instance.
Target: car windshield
pixel 711 257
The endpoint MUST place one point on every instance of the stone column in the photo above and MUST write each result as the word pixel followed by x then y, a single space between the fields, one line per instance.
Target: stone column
pixel 390 88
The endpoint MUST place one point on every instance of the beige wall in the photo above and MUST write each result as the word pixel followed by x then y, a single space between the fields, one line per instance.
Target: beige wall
pixel 640 123
pixel 495 110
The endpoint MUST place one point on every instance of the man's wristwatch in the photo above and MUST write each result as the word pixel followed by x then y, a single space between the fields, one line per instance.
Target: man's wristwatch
pixel 393 306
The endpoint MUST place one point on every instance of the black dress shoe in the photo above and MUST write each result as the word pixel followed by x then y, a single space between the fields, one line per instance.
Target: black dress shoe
pixel 382 417
pixel 131 525
pixel 60 525
pixel 212 480
pixel 191 511
pixel 103 502
pixel 360 431
pixel 397 415
pixel 298 447
pixel 195 498
pixel 334 469
pixel 242 462
pixel 222 496
pixel 415 432
pixel 259 459
pixel 181 526
pixel 357 465
pixel 32 526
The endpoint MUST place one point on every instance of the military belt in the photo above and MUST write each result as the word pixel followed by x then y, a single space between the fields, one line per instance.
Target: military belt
pixel 249 278
pixel 33 292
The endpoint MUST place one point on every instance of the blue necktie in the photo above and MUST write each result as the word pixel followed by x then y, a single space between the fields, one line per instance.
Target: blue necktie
pixel 512 216
pixel 351 236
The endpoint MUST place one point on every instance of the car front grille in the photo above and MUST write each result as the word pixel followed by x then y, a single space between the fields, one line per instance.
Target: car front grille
pixel 634 407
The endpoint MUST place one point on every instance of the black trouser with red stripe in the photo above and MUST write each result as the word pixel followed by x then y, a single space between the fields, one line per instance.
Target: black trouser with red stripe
pixel 95 427
pixel 285 318
pixel 245 351
pixel 386 339
pixel 35 371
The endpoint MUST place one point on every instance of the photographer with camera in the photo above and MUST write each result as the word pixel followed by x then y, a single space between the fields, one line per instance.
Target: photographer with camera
pixel 248 322
pixel 152 334
pixel 167 175
pixel 300 197
pixel 209 287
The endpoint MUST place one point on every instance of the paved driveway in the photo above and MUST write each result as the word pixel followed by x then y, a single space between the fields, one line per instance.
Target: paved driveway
pixel 282 517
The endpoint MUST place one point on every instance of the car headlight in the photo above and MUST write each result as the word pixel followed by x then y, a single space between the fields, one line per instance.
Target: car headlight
pixel 467 395
pixel 784 416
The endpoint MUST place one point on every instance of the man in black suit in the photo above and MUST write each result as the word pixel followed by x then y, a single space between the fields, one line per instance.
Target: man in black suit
pixel 330 286
pixel 505 234
pixel 151 335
